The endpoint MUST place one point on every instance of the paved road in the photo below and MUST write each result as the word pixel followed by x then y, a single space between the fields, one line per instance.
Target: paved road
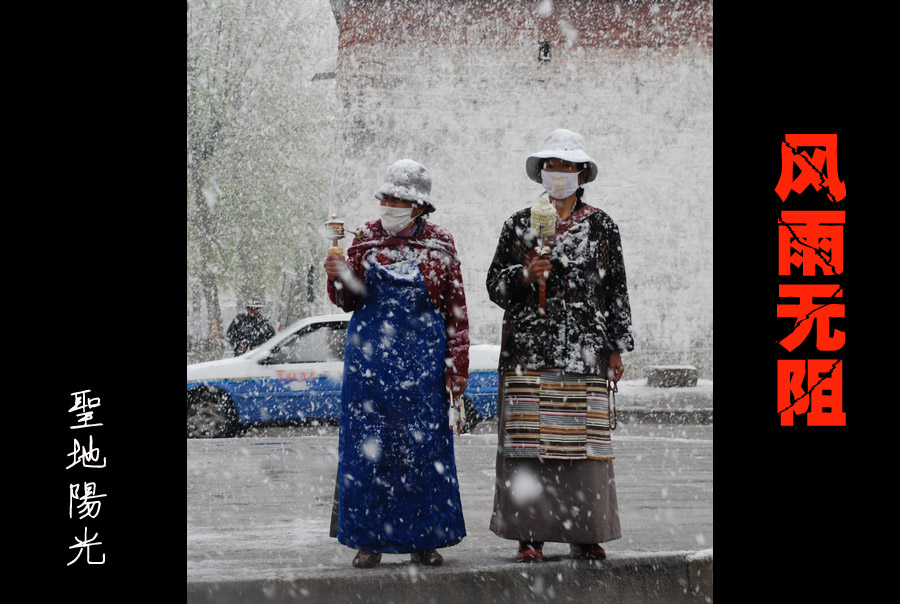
pixel 258 507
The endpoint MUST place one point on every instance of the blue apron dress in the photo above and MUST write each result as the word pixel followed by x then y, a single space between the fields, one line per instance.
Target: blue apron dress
pixel 397 489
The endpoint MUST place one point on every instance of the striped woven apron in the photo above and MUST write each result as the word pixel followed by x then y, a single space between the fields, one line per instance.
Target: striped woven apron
pixel 551 414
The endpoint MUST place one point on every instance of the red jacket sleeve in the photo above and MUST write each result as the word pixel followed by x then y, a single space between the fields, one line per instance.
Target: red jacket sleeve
pixel 452 305
pixel 347 292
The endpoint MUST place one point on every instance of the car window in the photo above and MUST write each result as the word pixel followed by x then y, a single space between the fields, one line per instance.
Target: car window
pixel 314 344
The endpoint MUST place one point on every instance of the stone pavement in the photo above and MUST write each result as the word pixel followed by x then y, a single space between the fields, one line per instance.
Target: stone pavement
pixel 258 511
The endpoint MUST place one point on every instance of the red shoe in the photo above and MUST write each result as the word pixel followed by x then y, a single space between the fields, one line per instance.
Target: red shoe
pixel 529 553
pixel 591 551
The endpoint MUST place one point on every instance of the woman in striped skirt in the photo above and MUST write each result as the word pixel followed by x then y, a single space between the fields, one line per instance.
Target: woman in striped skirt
pixel 567 321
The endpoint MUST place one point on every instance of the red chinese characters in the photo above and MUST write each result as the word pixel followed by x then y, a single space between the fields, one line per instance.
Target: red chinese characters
pixel 810 241
pixel 810 267
pixel 820 399
pixel 812 310
pixel 812 168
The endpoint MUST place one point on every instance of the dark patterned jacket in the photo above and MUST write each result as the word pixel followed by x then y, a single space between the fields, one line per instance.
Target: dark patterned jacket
pixel 588 314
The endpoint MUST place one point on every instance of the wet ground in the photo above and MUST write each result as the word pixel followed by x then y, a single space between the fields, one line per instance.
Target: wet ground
pixel 258 506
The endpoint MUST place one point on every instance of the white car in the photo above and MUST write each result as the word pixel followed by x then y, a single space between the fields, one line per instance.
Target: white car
pixel 296 377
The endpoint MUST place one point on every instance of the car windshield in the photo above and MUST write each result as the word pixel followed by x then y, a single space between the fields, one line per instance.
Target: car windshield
pixel 313 344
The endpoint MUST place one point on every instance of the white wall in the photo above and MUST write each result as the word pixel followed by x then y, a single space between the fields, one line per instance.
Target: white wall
pixel 473 113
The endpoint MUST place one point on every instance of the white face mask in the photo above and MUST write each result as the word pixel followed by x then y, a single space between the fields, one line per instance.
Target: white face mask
pixel 560 185
pixel 393 220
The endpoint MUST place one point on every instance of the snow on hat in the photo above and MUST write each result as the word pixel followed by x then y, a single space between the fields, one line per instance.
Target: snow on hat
pixel 565 145
pixel 255 302
pixel 409 180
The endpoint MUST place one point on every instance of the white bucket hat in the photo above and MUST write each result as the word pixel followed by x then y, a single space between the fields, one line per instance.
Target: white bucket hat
pixel 565 145
pixel 409 180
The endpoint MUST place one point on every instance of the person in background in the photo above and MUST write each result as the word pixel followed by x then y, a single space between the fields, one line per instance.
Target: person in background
pixel 249 330
pixel 554 469
pixel 407 348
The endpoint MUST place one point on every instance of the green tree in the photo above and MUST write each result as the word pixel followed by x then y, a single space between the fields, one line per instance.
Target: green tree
pixel 258 144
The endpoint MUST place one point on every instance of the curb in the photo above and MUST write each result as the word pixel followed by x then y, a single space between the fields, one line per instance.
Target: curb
pixel 672 578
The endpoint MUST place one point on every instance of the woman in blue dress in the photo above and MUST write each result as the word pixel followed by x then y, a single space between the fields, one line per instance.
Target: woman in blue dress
pixel 407 346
